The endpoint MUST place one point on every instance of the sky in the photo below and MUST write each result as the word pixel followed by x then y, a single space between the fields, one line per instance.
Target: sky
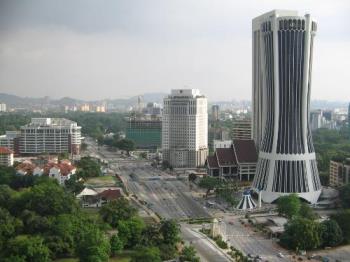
pixel 91 49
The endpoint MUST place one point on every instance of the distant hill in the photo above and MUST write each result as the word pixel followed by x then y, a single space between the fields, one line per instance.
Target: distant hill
pixel 30 102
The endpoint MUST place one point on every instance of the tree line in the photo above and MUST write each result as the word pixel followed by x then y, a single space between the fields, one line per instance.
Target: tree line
pixel 41 221
pixel 304 230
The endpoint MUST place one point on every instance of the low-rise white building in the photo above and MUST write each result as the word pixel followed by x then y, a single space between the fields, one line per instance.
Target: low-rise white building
pixel 62 172
pixel 38 171
pixel 222 144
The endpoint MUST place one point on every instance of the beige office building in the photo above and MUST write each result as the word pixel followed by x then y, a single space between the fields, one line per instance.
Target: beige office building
pixel 185 128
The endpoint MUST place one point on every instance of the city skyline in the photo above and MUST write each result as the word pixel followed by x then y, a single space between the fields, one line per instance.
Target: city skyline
pixel 123 49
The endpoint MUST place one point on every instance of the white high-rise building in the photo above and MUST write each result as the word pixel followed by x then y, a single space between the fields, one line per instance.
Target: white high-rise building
pixel 50 135
pixel 282 63
pixel 3 107
pixel 185 128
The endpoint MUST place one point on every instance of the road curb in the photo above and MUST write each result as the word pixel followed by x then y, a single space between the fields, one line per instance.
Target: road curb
pixel 214 244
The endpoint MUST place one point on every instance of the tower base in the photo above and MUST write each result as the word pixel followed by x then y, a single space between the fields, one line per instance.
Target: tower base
pixel 311 197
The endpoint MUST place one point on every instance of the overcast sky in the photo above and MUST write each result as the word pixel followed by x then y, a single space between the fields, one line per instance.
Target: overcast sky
pixel 116 49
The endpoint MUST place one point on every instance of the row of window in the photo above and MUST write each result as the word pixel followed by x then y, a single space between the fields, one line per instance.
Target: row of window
pixel 290 177
pixel 267 142
pixel 288 24
pixel 291 45
pixel 262 174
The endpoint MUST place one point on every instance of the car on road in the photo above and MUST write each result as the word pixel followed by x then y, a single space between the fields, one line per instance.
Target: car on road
pixel 231 222
pixel 280 254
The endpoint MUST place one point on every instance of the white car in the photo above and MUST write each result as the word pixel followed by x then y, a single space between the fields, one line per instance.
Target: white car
pixel 280 255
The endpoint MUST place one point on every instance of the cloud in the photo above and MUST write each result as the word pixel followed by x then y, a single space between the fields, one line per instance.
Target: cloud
pixel 107 49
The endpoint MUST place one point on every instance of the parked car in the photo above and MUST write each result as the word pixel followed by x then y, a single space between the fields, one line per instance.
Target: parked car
pixel 280 254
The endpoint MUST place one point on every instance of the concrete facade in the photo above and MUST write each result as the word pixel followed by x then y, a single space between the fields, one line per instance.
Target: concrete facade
pixel 282 65
pixel 185 128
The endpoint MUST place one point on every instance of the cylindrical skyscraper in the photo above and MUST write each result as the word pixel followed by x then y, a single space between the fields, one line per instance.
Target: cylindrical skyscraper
pixel 282 62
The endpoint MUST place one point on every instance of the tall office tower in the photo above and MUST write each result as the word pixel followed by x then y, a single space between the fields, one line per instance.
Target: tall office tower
pixel 215 112
pixel 185 128
pixel 242 129
pixel 282 63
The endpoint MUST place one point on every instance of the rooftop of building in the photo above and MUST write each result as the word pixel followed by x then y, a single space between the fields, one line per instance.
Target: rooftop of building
pixel 212 162
pixel 225 156
pixel 245 151
pixel 38 122
pixel 185 93
pixel 111 194
pixel 274 13
pixel 5 151
pixel 28 166
pixel 241 152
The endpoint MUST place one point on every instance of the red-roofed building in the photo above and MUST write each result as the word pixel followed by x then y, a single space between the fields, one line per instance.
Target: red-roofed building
pixel 61 171
pixel 6 156
pixel 109 195
pixel 25 168
pixel 237 161
pixel 90 197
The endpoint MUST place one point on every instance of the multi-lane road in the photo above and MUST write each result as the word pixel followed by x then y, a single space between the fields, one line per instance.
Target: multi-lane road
pixel 248 241
pixel 171 198
pixel 164 194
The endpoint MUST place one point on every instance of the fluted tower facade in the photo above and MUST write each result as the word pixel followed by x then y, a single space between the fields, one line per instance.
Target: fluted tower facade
pixel 282 63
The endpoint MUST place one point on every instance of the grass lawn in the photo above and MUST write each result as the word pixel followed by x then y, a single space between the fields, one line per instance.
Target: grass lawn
pixel 102 181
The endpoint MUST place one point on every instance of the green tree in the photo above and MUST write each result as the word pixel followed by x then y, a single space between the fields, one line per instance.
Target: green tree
pixel 117 210
pixel 344 195
pixel 130 231
pixel 167 251
pixel 62 156
pixel 31 248
pixel 47 199
pixel 73 185
pixel 94 246
pixel 88 167
pixel 209 183
pixel 33 223
pixel 63 234
pixel 166 165
pixel 126 145
pixel 188 254
pixel 301 234
pixel 332 234
pixel 343 218
pixel 6 196
pixel 307 212
pixel 6 174
pixel 289 205
pixel 116 245
pixel 9 226
pixel 192 177
pixel 170 231
pixel 146 254
pixel 151 235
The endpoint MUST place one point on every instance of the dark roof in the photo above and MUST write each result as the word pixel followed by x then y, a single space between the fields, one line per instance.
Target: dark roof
pixel 225 156
pixel 111 194
pixel 212 162
pixel 245 151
